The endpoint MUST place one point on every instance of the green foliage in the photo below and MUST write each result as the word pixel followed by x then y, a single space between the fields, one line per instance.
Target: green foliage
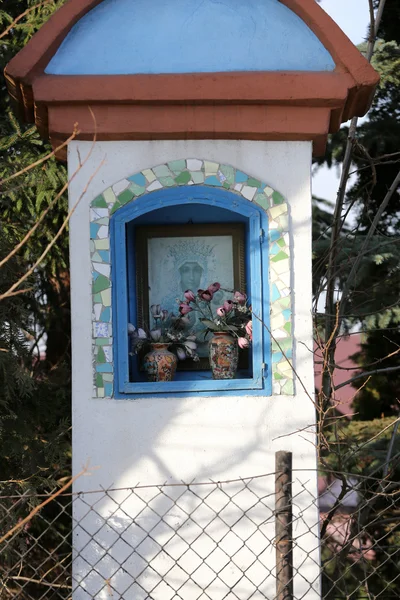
pixel 377 142
pixel 379 397
pixel 24 198
pixel 33 415
pixel 374 298
pixel 389 27
pixel 361 447
pixel 34 393
pixel 23 30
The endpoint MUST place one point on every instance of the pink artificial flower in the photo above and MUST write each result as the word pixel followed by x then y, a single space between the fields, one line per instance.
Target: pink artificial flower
pixel 164 315
pixel 155 335
pixel 240 298
pixel 221 312
pixel 205 295
pixel 155 310
pixel 214 287
pixel 243 342
pixel 141 334
pixel 228 305
pixel 131 329
pixel 181 354
pixel 184 308
pixel 249 329
pixel 189 295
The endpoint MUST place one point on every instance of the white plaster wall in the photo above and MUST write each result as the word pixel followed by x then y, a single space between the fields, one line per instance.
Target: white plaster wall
pixel 155 440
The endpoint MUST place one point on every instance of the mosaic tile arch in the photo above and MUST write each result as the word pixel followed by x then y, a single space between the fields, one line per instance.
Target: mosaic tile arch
pixel 192 172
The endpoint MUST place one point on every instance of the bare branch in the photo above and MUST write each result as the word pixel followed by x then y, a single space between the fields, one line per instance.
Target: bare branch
pixel 390 450
pixel 10 291
pixel 21 16
pixel 287 359
pixel 371 231
pixel 33 512
pixel 367 374
pixel 330 326
pixel 40 582
pixel 45 158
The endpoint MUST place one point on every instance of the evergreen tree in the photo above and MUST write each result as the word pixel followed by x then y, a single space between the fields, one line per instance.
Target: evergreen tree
pixel 34 420
pixel 34 389
pixel 374 299
pixel 368 446
pixel 24 198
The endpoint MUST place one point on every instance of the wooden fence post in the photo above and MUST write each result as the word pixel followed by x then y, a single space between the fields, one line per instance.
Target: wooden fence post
pixel 283 525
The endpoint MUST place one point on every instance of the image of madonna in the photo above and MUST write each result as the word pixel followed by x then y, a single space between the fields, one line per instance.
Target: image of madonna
pixel 180 264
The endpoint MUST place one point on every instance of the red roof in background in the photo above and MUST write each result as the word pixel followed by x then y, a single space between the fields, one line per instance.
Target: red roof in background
pixel 330 488
pixel 346 347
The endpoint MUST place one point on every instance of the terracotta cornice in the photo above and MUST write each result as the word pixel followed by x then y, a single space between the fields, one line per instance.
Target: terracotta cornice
pixel 341 94
pixel 309 89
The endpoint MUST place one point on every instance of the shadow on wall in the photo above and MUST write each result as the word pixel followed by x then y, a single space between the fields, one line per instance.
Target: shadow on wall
pixel 164 541
pixel 177 541
pixel 151 544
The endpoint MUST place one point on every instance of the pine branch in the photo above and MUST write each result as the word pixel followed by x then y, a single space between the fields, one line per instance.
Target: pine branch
pixel 331 327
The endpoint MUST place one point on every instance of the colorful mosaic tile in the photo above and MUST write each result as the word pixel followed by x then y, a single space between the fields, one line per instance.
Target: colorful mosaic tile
pixel 192 171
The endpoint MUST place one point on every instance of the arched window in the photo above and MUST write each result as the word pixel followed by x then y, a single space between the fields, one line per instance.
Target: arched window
pixel 197 221
pixel 149 231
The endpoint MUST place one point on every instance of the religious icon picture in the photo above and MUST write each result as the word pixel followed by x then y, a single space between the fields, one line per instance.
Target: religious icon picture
pixel 173 259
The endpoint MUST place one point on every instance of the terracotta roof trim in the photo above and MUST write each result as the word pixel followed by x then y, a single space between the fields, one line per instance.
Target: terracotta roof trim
pixel 345 92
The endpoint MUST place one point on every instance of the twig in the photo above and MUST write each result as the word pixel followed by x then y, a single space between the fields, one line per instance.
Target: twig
pixel 140 486
pixel 375 437
pixel 370 163
pixel 194 483
pixel 367 374
pixel 18 292
pixel 35 226
pixel 375 362
pixel 337 503
pixel 10 291
pixel 39 582
pixel 46 211
pixel 287 359
pixel 390 450
pixel 21 16
pixel 338 222
pixel 371 231
pixel 44 158
pixel 38 508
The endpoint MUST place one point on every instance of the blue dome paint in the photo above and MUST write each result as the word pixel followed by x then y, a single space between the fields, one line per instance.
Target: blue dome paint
pixel 189 36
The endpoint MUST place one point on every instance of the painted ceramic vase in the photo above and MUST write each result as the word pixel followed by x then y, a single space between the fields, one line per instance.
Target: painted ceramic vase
pixel 160 363
pixel 223 355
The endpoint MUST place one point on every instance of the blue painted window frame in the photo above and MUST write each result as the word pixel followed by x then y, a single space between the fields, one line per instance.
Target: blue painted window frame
pixel 123 287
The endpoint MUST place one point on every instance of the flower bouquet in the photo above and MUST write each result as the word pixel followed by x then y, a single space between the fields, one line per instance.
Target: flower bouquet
pixel 230 325
pixel 167 341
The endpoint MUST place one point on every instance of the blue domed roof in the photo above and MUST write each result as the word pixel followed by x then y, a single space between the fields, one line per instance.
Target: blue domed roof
pixel 189 36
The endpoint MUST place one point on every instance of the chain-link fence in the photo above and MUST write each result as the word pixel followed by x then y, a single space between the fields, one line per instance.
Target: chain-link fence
pixel 205 540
